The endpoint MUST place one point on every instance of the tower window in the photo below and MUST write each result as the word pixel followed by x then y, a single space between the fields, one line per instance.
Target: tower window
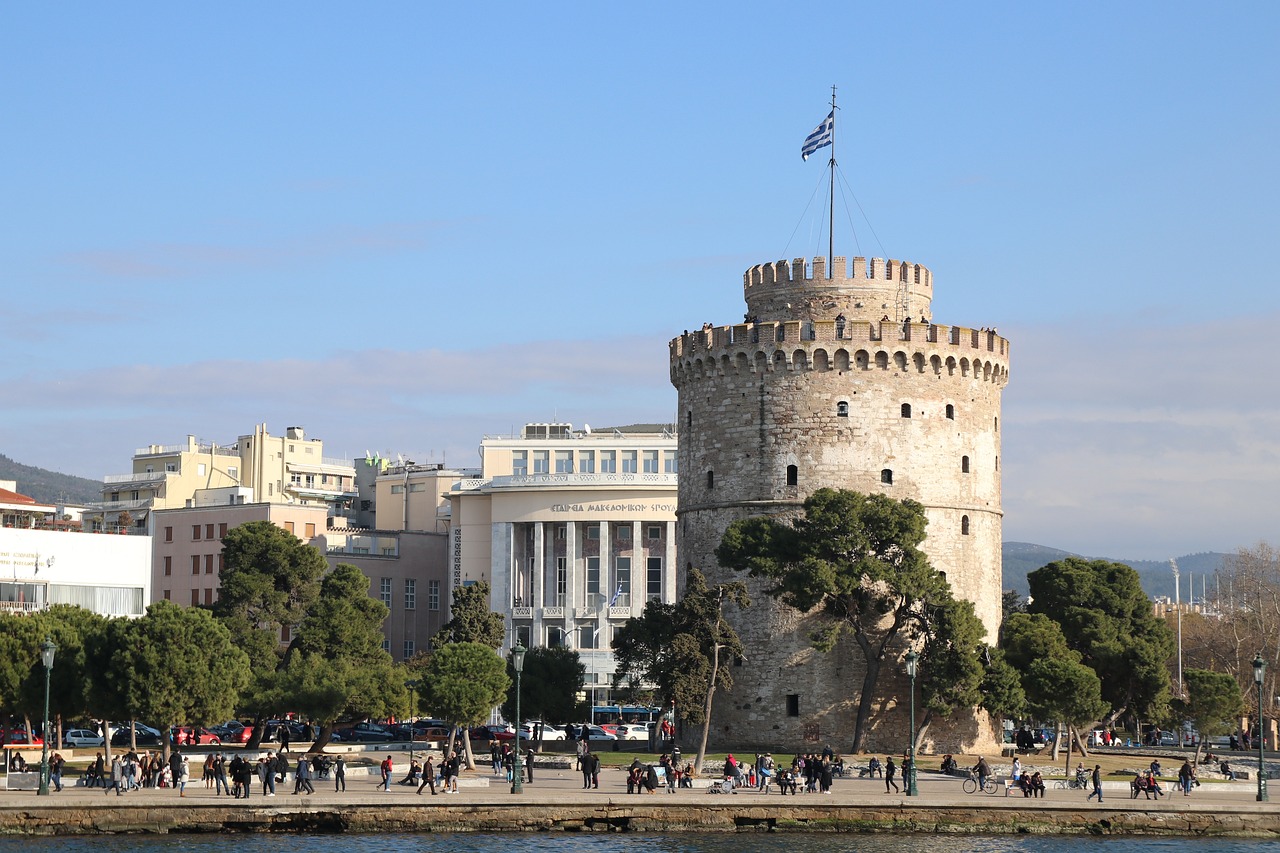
pixel 906 410
pixel 964 525
pixel 997 423
pixel 951 411
pixel 688 421
pixel 793 475
pixel 842 409
pixel 886 476
pixel 964 464
pixel 793 704
pixel 711 479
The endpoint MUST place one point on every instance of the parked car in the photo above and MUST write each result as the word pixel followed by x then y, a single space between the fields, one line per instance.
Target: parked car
pixel 193 736
pixel 18 736
pixel 81 738
pixel 529 731
pixel 596 733
pixel 633 731
pixel 146 736
pixel 365 732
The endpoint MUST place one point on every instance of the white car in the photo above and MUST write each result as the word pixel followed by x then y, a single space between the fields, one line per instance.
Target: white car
pixel 80 738
pixel 528 731
pixel 633 731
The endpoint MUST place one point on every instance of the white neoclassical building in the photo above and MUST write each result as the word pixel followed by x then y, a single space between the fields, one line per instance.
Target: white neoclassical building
pixel 574 529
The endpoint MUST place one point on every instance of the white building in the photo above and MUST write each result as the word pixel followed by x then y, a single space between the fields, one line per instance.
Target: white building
pixel 573 529
pixel 108 574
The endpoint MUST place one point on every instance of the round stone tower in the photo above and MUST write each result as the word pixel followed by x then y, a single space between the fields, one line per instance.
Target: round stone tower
pixel 838 380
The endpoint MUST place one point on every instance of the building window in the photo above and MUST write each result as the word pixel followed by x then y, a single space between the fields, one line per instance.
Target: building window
pixel 311 529
pixel 593 581
pixel 886 476
pixel 793 704
pixel 711 479
pixel 629 461
pixel 171 467
pixel 208 595
pixel 608 461
pixel 793 475
pixel 133 496
pixel 384 591
pixel 195 533
pixel 410 594
pixel 220 564
pixel 964 525
pixel 222 530
pixel 561 530
pixel 208 531
pixel 195 564
pixel 555 637
pixel 208 564
pixel 670 465
pixel 520 463
pixel 167 596
pixel 397 489
pixel 433 595
pixel 414 488
pixel 168 534
pixel 586 461
pixel 653 579
pixel 408 649
pixel 564 461
pixel 233 472
pixel 651 462
pixel 906 410
pixel 622 583
pixel 688 420
pixel 842 409
pixel 654 531
pixel 951 412
pixel 964 464
pixel 997 424
pixel 201 469
pixel 386 645
pixel 541 462
pixel 587 636
pixel 195 598
pixel 168 565
pixel 593 531
pixel 623 533
pixel 288 526
pixel 562 582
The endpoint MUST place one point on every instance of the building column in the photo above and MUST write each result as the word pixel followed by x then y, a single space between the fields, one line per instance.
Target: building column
pixel 536 577
pixel 502 571
pixel 670 571
pixel 639 594
pixel 607 584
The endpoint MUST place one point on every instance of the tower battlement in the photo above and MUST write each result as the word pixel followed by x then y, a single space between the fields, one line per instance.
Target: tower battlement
pixel 867 289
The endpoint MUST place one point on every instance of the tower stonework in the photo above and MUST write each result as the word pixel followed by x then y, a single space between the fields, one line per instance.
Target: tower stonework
pixel 827 385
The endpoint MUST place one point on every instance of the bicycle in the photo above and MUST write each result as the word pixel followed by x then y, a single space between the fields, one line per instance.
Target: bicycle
pixel 1079 783
pixel 970 784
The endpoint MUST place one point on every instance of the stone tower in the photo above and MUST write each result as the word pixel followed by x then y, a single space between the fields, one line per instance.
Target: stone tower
pixel 838 380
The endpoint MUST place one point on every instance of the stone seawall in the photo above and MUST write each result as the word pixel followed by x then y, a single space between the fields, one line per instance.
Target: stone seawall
pixel 995 817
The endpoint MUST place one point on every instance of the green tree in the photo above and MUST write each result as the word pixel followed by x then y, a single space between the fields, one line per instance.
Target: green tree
pixel 268 582
pixel 464 683
pixel 471 620
pixel 174 665
pixel 549 685
pixel 1032 637
pixel 1213 703
pixel 336 667
pixel 1107 618
pixel 951 666
pixel 19 659
pixel 684 649
pixel 856 558
pixel 1066 691
pixel 70 682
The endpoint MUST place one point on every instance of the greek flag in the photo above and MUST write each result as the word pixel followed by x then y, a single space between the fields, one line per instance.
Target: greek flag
pixel 616 595
pixel 820 137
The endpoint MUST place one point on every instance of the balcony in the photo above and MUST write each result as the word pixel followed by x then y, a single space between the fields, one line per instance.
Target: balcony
pixel 619 612
pixel 522 613
pixel 143 477
pixel 170 449
pixel 116 506
pixel 524 481
pixel 553 613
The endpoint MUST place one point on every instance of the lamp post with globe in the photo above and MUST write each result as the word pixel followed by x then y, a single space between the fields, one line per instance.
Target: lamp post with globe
pixel 47 651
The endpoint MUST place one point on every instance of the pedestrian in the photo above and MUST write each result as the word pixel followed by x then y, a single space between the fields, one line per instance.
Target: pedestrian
pixel 55 770
pixel 385 768
pixel 890 771
pixel 428 777
pixel 184 776
pixel 340 774
pixel 220 775
pixel 117 775
pixel 455 767
pixel 175 766
pixel 584 762
pixel 1186 775
pixel 1097 784
pixel 284 737
pixel 528 763
pixel 304 775
pixel 595 770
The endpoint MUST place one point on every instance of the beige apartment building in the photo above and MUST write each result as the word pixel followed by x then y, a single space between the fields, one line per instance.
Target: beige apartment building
pixel 573 529
pixel 258 467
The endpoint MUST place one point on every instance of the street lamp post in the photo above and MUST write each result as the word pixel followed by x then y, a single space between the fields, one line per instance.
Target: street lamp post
pixel 1259 671
pixel 1177 604
pixel 912 790
pixel 413 710
pixel 517 663
pixel 47 650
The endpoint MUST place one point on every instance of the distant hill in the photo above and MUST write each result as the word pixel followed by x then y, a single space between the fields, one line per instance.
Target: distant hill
pixel 49 487
pixel 1021 558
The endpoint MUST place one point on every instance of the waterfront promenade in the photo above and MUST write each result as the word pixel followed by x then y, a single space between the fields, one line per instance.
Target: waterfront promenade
pixel 556 801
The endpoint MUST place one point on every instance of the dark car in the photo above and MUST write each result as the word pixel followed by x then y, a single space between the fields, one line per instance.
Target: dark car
pixel 146 736
pixel 365 732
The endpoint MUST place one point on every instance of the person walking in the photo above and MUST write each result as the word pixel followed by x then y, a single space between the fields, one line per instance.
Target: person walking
pixel 428 777
pixel 340 774
pixel 1186 775
pixel 183 776
pixel 1097 784
pixel 220 775
pixel 117 776
pixel 595 770
pixel 528 764
pixel 890 771
pixel 584 763
pixel 386 769
pixel 304 775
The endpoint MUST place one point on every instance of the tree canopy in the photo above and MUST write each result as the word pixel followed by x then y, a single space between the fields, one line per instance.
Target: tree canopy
pixel 855 558
pixel 549 685
pixel 471 620
pixel 464 682
pixel 1108 620
pixel 1213 703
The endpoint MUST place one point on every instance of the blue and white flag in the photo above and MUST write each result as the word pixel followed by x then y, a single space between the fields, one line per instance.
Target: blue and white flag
pixel 616 595
pixel 820 137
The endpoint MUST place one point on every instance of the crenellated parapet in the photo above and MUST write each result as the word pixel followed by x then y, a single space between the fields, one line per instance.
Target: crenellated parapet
pixel 867 289
pixel 829 344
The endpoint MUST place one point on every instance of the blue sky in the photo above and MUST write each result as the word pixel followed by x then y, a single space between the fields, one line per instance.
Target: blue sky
pixel 404 225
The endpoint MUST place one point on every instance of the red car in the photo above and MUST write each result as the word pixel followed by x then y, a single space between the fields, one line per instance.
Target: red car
pixel 187 736
pixel 18 737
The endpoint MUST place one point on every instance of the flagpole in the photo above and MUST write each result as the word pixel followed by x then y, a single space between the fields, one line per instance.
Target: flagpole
pixel 831 209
